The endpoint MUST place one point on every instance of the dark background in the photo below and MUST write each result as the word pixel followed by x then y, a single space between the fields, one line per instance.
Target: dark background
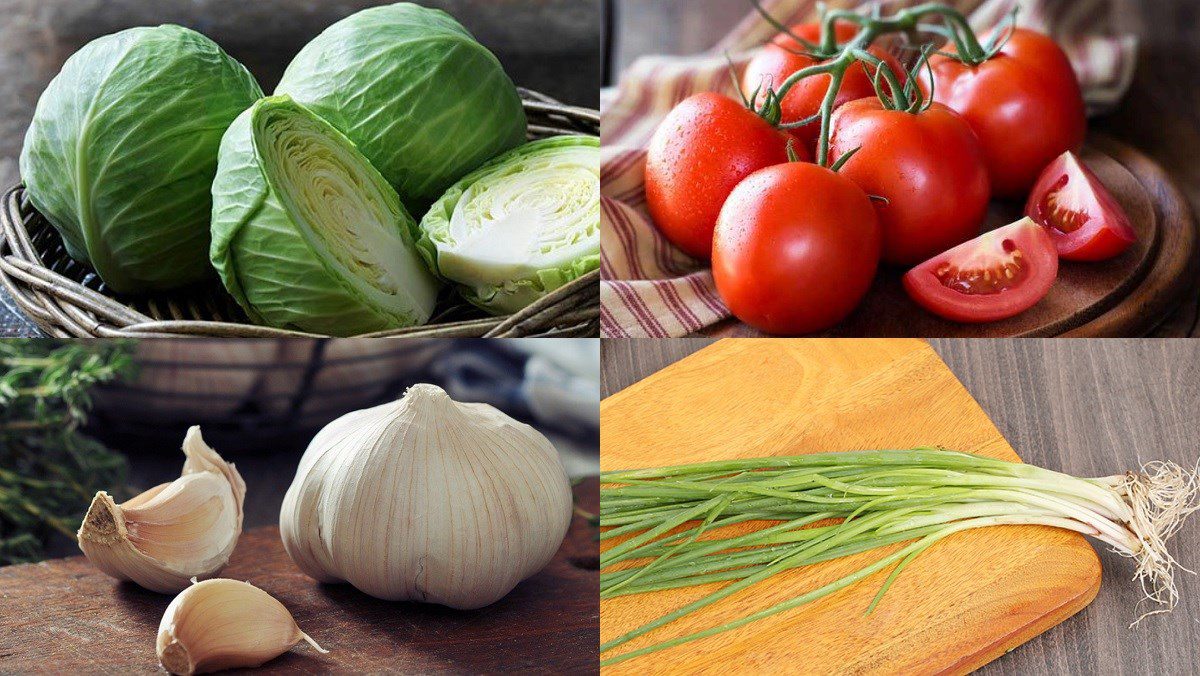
pixel 1159 116
pixel 551 46
pixel 546 45
pixel 1086 407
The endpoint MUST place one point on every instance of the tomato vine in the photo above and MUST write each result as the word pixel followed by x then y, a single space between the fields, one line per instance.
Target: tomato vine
pixel 836 59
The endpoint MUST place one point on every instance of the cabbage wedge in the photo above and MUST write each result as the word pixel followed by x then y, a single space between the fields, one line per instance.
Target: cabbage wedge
pixel 307 235
pixel 520 226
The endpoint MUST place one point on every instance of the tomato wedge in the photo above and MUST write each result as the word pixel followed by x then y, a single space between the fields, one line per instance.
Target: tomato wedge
pixel 1083 218
pixel 998 275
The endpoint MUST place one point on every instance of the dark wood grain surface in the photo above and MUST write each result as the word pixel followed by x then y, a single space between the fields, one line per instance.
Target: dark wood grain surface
pixel 1160 116
pixel 65 616
pixel 1087 407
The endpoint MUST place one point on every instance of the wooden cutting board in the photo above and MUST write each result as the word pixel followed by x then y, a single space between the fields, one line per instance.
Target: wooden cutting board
pixel 1126 296
pixel 967 601
pixel 64 616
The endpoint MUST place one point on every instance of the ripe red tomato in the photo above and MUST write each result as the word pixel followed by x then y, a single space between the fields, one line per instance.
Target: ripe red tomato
pixel 784 56
pixel 928 166
pixel 795 249
pixel 998 275
pixel 703 148
pixel 1083 218
pixel 1024 104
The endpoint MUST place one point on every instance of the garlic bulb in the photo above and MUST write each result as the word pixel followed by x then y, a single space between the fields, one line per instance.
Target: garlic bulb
pixel 222 624
pixel 173 532
pixel 427 499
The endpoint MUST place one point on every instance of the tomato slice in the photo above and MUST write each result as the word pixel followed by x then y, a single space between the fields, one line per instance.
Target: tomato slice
pixel 1083 218
pixel 998 275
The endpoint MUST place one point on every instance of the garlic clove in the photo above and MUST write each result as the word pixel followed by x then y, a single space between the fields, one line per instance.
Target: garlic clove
pixel 166 536
pixel 223 624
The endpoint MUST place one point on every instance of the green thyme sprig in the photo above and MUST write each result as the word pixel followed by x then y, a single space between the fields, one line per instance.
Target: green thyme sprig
pixel 49 470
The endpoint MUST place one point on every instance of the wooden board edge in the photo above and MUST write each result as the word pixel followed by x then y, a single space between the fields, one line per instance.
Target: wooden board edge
pixel 927 346
pixel 1010 642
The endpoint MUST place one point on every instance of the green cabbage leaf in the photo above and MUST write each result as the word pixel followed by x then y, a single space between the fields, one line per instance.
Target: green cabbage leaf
pixel 122 150
pixel 307 235
pixel 419 96
pixel 520 226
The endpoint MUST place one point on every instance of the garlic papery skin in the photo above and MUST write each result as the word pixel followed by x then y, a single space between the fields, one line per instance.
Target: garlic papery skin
pixel 174 532
pixel 427 499
pixel 222 624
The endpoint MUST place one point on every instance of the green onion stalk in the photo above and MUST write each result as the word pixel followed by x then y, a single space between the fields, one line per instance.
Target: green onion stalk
pixel 831 505
pixel 836 59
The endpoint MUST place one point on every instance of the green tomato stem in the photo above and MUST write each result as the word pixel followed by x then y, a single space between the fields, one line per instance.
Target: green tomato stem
pixel 871 28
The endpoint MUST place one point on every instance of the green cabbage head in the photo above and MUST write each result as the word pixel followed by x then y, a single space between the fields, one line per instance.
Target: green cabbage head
pixel 414 91
pixel 521 225
pixel 122 150
pixel 307 235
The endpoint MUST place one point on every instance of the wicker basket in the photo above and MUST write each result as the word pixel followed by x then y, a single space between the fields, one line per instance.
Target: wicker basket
pixel 252 394
pixel 67 299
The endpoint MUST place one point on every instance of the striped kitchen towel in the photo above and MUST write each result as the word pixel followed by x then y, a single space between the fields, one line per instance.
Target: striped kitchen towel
pixel 651 289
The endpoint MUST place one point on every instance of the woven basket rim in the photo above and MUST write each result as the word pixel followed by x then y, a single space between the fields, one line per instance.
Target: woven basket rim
pixel 66 308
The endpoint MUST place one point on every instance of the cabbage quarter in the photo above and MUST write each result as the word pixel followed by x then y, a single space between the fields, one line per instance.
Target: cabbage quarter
pixel 521 225
pixel 307 234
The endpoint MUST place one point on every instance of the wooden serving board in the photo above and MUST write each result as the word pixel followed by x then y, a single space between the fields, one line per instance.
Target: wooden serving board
pixel 1126 296
pixel 64 616
pixel 965 602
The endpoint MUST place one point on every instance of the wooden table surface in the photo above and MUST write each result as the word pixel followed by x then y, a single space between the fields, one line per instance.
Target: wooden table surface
pixel 1087 407
pixel 65 616
pixel 1160 115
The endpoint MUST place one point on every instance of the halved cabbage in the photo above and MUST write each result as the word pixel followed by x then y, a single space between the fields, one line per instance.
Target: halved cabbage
pixel 414 91
pixel 307 234
pixel 521 225
pixel 122 150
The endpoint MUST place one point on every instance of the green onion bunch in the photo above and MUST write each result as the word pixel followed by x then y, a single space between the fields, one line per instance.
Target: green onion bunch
pixel 830 505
